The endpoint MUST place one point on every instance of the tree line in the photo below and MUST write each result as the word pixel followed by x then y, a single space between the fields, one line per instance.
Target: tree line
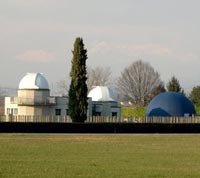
pixel 139 83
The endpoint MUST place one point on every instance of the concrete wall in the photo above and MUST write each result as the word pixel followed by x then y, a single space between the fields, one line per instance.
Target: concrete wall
pixel 33 96
pixel 2 105
pixel 62 104
pixel 9 107
pixel 104 108
pixel 36 103
pixel 20 127
pixel 26 110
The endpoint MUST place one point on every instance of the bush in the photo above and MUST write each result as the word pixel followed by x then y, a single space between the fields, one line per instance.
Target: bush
pixel 197 108
pixel 133 112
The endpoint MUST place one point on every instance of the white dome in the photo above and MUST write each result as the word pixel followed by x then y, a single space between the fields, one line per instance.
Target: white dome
pixel 102 93
pixel 33 81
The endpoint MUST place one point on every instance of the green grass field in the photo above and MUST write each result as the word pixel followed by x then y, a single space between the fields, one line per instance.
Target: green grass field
pixel 99 156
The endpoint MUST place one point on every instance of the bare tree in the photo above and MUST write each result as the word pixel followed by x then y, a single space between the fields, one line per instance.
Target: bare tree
pixel 98 76
pixel 62 87
pixel 137 81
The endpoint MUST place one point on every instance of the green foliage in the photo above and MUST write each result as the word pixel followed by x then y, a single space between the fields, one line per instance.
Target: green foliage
pixel 99 156
pixel 157 90
pixel 133 112
pixel 174 85
pixel 197 108
pixel 195 95
pixel 78 87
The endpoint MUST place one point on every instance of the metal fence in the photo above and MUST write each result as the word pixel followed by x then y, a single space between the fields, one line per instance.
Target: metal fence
pixel 163 120
pixel 59 119
pixel 101 119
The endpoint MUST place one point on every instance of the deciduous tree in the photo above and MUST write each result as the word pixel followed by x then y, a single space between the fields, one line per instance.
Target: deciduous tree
pixel 137 81
pixel 98 76
pixel 62 87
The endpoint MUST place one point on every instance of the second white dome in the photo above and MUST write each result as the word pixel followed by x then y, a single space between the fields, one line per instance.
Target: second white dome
pixel 102 93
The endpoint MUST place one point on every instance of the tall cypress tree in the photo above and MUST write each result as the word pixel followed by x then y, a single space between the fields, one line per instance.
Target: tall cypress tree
pixel 78 87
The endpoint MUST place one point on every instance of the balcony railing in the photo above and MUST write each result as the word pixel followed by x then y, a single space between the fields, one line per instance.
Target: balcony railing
pixel 33 101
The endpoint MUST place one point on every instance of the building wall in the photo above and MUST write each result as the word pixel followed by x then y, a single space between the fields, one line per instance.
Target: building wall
pixel 26 110
pixel 45 110
pixel 10 108
pixel 104 108
pixel 62 104
pixel 33 96
pixel 35 110
pixel 36 103
pixel 2 105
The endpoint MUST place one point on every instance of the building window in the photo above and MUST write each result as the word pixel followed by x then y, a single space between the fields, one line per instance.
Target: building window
pixel 8 111
pixel 67 112
pixel 11 111
pixel 58 112
pixel 15 111
pixel 114 114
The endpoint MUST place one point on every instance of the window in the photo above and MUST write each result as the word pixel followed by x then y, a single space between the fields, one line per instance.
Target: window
pixel 11 111
pixel 58 112
pixel 67 112
pixel 114 114
pixel 15 111
pixel 8 111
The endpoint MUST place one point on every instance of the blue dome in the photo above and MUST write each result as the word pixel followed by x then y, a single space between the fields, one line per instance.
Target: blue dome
pixel 170 104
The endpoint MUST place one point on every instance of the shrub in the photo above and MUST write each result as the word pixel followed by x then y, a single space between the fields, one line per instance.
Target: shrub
pixel 133 112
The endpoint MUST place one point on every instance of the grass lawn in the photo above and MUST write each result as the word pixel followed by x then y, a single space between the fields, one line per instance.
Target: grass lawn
pixel 99 156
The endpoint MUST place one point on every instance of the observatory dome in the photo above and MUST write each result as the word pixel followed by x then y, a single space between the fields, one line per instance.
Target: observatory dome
pixel 170 104
pixel 34 81
pixel 102 93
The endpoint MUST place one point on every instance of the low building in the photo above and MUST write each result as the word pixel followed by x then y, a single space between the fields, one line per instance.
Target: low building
pixel 33 99
pixel 103 102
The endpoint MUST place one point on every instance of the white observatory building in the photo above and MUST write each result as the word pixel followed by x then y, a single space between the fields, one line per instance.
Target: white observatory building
pixel 103 102
pixel 34 99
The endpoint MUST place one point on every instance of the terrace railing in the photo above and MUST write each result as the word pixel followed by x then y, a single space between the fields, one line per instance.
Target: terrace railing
pixel 32 102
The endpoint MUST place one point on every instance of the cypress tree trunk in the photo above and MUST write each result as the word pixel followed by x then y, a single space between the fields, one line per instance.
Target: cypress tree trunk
pixel 78 87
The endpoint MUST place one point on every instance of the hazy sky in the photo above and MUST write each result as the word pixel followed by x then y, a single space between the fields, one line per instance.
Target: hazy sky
pixel 38 36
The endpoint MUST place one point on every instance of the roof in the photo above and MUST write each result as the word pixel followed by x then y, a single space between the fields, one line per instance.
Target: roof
pixel 33 81
pixel 102 93
pixel 170 104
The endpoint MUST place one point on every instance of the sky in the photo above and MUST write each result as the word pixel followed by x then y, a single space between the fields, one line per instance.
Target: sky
pixel 38 36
